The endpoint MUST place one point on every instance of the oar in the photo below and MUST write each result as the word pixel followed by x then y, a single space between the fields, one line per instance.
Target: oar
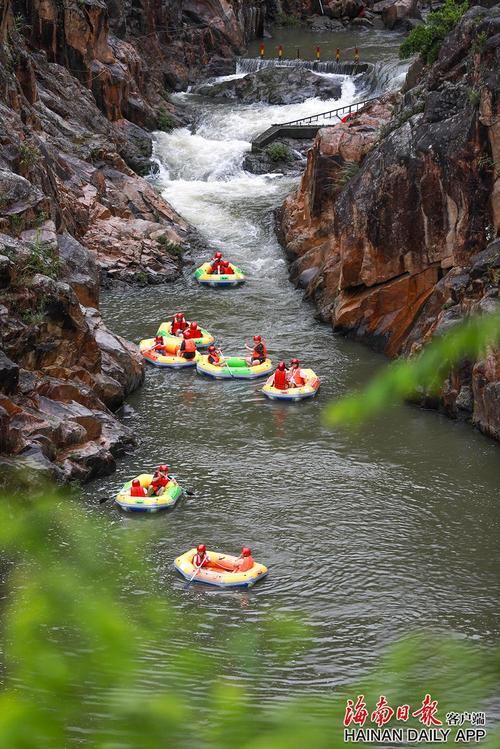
pixel 193 576
pixel 104 499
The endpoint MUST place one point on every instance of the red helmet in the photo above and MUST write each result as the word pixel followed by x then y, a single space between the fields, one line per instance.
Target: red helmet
pixel 136 482
pixel 211 348
pixel 163 468
pixel 158 339
pixel 246 552
pixel 218 255
pixel 193 325
pixel 296 362
pixel 257 338
pixel 282 365
pixel 201 548
pixel 179 315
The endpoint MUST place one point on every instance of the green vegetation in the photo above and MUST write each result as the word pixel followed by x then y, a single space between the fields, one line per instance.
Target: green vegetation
pixel 29 154
pixel 279 152
pixel 479 42
pixel 283 19
pixel 474 96
pixel 428 38
pixel 424 372
pixel 346 172
pixel 165 121
pixel 36 314
pixel 171 247
pixel 42 259
pixel 76 644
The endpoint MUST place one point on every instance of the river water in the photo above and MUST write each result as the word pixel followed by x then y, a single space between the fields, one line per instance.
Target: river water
pixel 368 535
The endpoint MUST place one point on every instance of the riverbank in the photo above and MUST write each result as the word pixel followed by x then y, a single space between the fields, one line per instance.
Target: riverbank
pixel 390 230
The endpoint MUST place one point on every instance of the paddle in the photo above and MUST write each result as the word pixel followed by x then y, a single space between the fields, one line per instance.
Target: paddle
pixel 193 576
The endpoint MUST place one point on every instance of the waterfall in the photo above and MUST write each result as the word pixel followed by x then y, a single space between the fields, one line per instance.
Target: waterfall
pixel 252 64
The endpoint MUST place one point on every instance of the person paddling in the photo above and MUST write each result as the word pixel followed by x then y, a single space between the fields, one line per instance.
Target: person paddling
pixel 225 268
pixel 259 351
pixel 159 482
pixel 279 379
pixel 159 345
pixel 214 356
pixel 296 374
pixel 201 558
pixel 215 263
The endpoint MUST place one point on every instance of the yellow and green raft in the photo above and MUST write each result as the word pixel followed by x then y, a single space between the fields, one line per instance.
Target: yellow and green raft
pixel 233 368
pixel 169 359
pixel 214 279
pixel 169 498
pixel 219 577
pixel 206 339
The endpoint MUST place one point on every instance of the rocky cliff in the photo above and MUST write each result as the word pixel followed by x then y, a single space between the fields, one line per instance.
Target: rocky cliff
pixel 392 230
pixel 81 84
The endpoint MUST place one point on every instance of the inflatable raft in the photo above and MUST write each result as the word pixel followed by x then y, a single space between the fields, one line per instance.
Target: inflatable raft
pixel 218 576
pixel 308 390
pixel 168 499
pixel 206 339
pixel 170 359
pixel 214 279
pixel 234 367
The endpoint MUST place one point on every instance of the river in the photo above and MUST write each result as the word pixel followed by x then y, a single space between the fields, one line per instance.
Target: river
pixel 369 534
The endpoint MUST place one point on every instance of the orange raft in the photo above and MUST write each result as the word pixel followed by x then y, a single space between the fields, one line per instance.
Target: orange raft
pixel 220 572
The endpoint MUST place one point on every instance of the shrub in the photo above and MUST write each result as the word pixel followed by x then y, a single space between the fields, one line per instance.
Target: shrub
pixel 279 152
pixel 283 19
pixel 428 38
pixel 171 247
pixel 347 171
pixel 165 121
pixel 42 259
pixel 29 154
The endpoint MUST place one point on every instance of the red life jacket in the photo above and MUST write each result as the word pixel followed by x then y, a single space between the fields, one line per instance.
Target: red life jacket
pixel 188 345
pixel 214 358
pixel 244 565
pixel 260 352
pixel 196 333
pixel 200 560
pixel 214 268
pixel 228 271
pixel 137 491
pixel 280 381
pixel 158 482
pixel 296 377
pixel 178 325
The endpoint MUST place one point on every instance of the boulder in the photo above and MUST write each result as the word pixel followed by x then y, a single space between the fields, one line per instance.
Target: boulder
pixel 9 374
pixel 280 85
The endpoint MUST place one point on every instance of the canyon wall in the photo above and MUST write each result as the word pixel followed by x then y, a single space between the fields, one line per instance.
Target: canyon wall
pixel 81 83
pixel 392 231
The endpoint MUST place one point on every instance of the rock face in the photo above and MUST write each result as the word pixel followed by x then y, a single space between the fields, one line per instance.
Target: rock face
pixel 81 82
pixel 395 211
pixel 396 13
pixel 274 86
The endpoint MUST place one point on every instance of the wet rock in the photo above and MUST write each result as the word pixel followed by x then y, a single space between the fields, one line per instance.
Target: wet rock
pixel 395 13
pixel 9 374
pixel 393 213
pixel 273 86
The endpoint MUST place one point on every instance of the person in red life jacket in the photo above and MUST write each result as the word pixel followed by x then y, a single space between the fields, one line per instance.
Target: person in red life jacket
pixel 201 558
pixel 216 262
pixel 187 349
pixel 136 490
pixel 159 346
pixel 245 561
pixel 259 351
pixel 279 380
pixel 193 331
pixel 296 374
pixel 225 268
pixel 214 356
pixel 362 13
pixel 242 564
pixel 159 481
pixel 179 324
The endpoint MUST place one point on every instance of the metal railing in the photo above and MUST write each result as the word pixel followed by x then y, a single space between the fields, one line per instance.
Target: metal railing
pixel 347 109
